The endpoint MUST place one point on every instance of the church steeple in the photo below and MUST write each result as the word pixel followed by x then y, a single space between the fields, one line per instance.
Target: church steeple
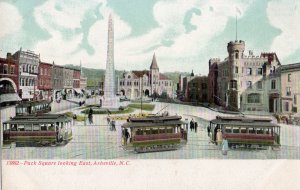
pixel 154 63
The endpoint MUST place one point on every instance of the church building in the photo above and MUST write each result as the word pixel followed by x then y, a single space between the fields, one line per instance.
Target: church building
pixel 133 84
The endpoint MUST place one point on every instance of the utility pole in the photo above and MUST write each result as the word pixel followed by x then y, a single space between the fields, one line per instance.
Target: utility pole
pixel 142 96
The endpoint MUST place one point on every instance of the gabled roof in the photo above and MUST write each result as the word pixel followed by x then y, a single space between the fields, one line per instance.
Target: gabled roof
pixel 163 77
pixel 140 74
pixel 154 63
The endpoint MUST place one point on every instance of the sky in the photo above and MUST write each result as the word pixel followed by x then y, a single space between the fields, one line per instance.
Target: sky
pixel 183 34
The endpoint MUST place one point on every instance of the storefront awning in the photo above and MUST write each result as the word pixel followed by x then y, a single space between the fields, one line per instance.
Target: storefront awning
pixel 10 97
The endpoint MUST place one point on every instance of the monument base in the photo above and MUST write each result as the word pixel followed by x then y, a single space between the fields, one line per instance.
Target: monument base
pixel 111 102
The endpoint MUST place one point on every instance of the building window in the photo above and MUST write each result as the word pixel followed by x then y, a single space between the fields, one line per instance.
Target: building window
pixel 259 85
pixel 26 82
pixel 236 54
pixel 287 106
pixel 249 71
pixel 5 69
pixel 295 99
pixel 288 91
pixel 41 71
pixel 12 69
pixel 259 71
pixel 236 69
pixel 24 68
pixel 249 84
pixel 233 84
pixel 22 82
pixel 289 77
pixel 129 77
pixel 273 84
pixel 45 71
pixel 254 98
pixel 28 68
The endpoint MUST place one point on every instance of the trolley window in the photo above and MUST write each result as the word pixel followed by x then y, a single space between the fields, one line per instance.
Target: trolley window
pixel 43 127
pixel 236 130
pixel 28 127
pixel 36 127
pixel 51 128
pixel 14 127
pixel 252 131
pixel 243 130
pixel 169 130
pixel 260 131
pixel 228 130
pixel 20 127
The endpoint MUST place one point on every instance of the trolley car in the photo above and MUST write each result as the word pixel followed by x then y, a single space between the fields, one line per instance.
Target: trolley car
pixel 154 133
pixel 245 131
pixel 27 108
pixel 38 129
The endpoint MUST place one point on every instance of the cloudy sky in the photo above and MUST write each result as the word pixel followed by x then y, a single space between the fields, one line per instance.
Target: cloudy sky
pixel 183 34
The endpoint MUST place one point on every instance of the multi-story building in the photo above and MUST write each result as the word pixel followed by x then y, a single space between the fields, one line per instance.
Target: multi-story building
pixel 290 89
pixel 57 81
pixel 45 85
pixel 28 71
pixel 213 81
pixel 9 80
pixel 246 82
pixel 68 81
pixel 198 89
pixel 147 82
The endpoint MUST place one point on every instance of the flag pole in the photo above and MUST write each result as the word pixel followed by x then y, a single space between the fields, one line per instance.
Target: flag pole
pixel 235 26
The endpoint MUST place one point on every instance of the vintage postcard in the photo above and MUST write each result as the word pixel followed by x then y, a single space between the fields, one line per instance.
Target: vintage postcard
pixel 153 94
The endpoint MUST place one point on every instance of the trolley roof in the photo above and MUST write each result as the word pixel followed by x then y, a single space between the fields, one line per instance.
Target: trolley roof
pixel 152 124
pixel 39 118
pixel 244 121
pixel 24 104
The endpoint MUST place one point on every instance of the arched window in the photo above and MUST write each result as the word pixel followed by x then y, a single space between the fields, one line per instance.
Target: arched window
pixel 254 98
pixel 236 54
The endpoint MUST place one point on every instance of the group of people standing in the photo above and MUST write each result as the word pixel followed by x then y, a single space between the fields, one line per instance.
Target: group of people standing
pixel 111 123
pixel 193 125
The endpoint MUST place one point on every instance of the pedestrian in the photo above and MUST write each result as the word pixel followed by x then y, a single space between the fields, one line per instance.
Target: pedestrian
pixel 127 135
pixel 108 119
pixel 192 124
pixel 113 125
pixel 90 116
pixel 208 130
pixel 196 126
pixel 224 146
pixel 219 138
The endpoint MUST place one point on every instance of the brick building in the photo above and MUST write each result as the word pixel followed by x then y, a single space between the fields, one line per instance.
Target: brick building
pixel 57 81
pixel 45 85
pixel 9 80
pixel 198 89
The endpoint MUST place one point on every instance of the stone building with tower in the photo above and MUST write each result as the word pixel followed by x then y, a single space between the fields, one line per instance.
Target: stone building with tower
pixel 245 82
pixel 133 84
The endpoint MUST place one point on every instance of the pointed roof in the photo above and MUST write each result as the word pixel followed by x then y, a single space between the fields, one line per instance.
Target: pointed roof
pixel 154 63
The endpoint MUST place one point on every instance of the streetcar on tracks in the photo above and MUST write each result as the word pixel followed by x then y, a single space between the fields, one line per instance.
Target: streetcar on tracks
pixel 35 107
pixel 154 133
pixel 43 129
pixel 245 131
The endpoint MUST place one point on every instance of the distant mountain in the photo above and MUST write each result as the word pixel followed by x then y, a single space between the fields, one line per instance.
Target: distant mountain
pixel 97 75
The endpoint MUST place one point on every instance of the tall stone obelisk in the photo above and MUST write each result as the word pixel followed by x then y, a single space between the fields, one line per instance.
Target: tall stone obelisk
pixel 110 99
